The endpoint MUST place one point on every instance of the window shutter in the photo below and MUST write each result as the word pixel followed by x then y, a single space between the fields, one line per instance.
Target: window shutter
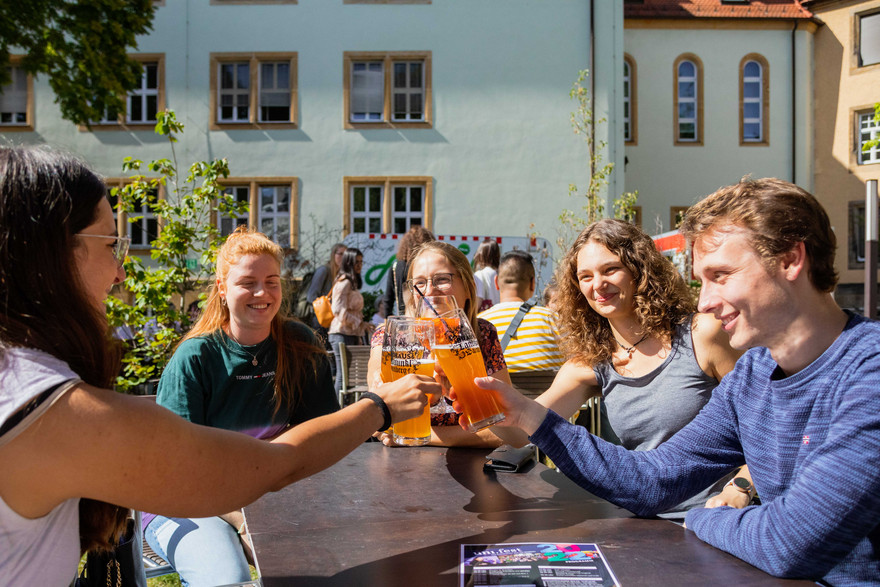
pixel 367 90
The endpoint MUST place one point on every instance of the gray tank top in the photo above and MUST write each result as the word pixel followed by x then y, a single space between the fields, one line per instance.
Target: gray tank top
pixel 643 412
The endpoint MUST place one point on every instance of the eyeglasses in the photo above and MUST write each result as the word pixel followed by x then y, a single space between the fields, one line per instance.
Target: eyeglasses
pixel 120 247
pixel 440 281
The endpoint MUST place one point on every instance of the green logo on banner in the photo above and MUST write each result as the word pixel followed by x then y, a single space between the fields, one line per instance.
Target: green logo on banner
pixel 465 248
pixel 371 278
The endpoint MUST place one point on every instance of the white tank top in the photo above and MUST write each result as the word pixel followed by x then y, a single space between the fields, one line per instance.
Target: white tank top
pixel 45 550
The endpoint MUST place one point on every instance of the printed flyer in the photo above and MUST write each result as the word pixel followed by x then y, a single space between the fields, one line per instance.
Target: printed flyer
pixel 535 564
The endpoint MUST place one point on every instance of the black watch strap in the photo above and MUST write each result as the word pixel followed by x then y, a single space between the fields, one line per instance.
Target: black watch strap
pixel 386 413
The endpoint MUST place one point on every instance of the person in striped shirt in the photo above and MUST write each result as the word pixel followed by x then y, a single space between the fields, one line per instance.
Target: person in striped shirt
pixel 535 344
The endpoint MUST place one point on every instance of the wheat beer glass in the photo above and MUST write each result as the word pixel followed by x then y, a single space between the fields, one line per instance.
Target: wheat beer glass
pixel 458 352
pixel 411 342
pixel 385 371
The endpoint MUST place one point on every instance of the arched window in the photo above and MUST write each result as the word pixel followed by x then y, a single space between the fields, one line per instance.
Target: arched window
pixel 754 100
pixel 688 100
pixel 630 110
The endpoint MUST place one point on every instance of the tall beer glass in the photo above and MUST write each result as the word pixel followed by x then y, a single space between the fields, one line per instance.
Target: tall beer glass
pixel 457 350
pixel 411 341
pixel 385 371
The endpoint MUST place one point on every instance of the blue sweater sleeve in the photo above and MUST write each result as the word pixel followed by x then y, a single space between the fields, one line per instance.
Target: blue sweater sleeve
pixel 646 482
pixel 821 520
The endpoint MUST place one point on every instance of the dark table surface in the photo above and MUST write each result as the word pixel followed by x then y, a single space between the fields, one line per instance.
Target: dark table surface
pixel 398 516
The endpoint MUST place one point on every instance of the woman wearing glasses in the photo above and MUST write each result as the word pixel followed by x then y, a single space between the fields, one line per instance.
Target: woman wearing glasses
pixel 76 455
pixel 438 268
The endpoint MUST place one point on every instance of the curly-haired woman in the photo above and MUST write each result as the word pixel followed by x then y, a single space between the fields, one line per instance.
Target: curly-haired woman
pixel 632 334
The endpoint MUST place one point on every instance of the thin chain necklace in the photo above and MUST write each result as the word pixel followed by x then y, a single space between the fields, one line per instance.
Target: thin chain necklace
pixel 630 349
pixel 255 361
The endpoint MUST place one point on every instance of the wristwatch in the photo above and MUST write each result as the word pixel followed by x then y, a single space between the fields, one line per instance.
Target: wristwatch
pixel 743 485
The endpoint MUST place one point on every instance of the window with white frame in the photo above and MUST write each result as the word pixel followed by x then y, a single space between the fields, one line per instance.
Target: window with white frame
pixel 387 88
pixel 143 226
pixel 274 209
pixel 408 91
pixel 257 89
pixel 389 205
pixel 14 98
pixel 143 101
pixel 234 93
pixel 366 208
pixel 407 207
pixel 868 134
pixel 226 222
pixel 367 91
pixel 688 97
pixel 274 91
pixel 752 102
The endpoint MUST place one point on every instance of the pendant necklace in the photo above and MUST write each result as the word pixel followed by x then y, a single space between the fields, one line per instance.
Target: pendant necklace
pixel 630 349
pixel 255 361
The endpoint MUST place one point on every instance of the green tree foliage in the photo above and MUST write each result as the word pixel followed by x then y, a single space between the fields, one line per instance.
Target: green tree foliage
pixel 873 143
pixel 183 253
pixel 81 46
pixel 583 122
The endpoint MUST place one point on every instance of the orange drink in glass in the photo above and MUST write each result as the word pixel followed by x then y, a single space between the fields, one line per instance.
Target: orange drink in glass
pixel 458 352
pixel 410 353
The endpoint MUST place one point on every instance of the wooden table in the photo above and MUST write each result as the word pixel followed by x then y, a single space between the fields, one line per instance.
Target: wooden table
pixel 398 516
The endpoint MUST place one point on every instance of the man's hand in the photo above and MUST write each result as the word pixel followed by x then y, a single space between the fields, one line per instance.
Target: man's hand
pixel 519 411
pixel 729 496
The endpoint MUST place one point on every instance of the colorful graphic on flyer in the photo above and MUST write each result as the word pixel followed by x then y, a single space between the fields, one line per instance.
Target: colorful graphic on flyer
pixel 535 564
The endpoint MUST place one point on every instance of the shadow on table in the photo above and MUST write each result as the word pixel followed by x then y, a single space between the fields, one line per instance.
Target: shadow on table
pixel 557 505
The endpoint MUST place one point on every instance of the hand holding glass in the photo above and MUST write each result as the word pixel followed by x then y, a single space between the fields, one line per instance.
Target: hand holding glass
pixel 411 341
pixel 457 350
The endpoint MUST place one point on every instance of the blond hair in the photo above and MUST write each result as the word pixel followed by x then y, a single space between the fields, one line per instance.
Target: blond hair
pixel 295 357
pixel 461 265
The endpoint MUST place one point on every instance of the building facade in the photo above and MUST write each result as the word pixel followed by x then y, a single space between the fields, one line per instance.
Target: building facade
pixel 361 115
pixel 714 90
pixel 847 64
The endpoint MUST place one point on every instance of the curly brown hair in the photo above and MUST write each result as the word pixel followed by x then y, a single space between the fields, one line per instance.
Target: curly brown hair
pixel 662 298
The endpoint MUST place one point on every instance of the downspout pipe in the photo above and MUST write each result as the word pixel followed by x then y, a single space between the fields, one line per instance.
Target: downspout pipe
pixel 794 104
pixel 593 82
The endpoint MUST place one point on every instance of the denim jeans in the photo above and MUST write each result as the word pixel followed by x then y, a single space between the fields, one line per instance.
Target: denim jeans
pixel 335 339
pixel 205 552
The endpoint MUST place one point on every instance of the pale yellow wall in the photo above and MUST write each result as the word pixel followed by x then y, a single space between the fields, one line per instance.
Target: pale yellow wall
pixel 841 88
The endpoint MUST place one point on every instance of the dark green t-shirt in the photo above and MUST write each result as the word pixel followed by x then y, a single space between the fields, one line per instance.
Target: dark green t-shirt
pixel 211 380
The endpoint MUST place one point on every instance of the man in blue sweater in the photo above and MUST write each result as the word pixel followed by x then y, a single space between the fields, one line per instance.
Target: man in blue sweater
pixel 801 407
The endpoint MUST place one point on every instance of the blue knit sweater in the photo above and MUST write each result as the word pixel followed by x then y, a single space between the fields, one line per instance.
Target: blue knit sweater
pixel 812 443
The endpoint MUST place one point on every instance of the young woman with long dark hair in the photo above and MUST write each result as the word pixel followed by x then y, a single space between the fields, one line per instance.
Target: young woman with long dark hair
pixel 76 455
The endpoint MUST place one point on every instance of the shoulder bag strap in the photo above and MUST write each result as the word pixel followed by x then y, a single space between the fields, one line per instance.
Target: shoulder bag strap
pixel 397 293
pixel 514 324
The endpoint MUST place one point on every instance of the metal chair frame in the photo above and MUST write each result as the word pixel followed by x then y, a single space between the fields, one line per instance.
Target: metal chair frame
pixel 354 360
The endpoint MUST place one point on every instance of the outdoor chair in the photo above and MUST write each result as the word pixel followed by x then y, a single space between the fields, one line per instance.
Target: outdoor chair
pixel 534 383
pixel 354 360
